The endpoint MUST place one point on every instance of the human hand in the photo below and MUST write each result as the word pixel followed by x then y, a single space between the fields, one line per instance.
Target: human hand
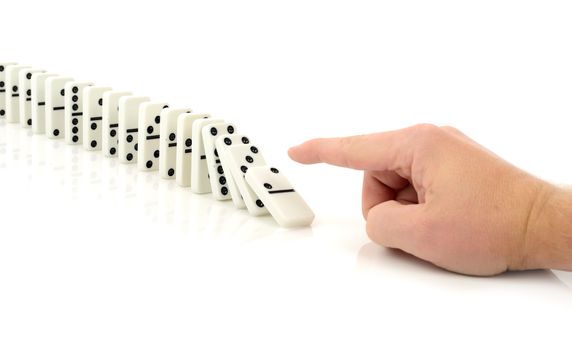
pixel 438 195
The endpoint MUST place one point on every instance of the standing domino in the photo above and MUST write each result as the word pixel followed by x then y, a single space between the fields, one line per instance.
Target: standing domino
pixel 73 112
pixel 284 204
pixel 185 146
pixel 239 159
pixel 168 141
pixel 128 127
pixel 39 102
pixel 13 93
pixel 149 126
pixel 25 82
pixel 222 143
pixel 3 93
pixel 217 176
pixel 200 182
pixel 110 129
pixel 55 106
pixel 92 111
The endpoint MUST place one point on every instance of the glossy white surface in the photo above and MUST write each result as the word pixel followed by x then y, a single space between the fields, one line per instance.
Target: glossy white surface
pixel 95 255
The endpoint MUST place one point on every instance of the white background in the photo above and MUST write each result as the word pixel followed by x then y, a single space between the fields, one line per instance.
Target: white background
pixel 94 255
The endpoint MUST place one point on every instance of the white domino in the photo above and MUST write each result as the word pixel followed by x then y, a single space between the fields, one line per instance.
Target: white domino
pixel 39 102
pixel 185 145
pixel 149 128
pixel 55 106
pixel 110 128
pixel 13 93
pixel 217 176
pixel 168 141
pixel 128 121
pixel 3 92
pixel 221 143
pixel 25 86
pixel 285 205
pixel 93 116
pixel 239 159
pixel 73 112
pixel 200 182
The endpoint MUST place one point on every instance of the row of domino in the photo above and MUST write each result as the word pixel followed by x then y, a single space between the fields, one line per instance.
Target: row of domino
pixel 154 136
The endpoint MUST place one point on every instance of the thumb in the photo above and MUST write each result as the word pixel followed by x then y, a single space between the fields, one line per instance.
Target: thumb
pixel 396 225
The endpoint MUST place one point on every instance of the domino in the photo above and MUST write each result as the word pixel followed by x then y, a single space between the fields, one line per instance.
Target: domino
pixel 239 159
pixel 73 111
pixel 149 126
pixel 221 144
pixel 128 120
pixel 217 176
pixel 55 106
pixel 3 93
pixel 93 116
pixel 168 141
pixel 39 102
pixel 110 121
pixel 25 86
pixel 285 205
pixel 200 182
pixel 13 93
pixel 184 163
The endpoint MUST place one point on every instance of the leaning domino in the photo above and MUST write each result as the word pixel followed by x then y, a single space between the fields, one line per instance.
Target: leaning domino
pixel 185 147
pixel 168 141
pixel 129 127
pixel 149 126
pixel 222 143
pixel 217 176
pixel 200 182
pixel 110 121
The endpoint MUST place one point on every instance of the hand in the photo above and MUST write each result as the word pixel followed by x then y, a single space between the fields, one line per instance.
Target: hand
pixel 436 194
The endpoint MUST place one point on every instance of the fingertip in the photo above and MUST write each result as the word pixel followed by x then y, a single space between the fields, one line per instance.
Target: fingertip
pixel 301 153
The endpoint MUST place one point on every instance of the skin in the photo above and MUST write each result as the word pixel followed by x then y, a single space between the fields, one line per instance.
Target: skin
pixel 436 194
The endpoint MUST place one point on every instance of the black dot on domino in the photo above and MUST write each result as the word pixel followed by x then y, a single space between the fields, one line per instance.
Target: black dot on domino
pixel 29 121
pixel 62 92
pixel 93 144
pixel 29 76
pixel 216 153
pixel 188 142
pixel 158 119
pixel 75 98
pixel 220 170
pixel 136 146
pixel 253 149
pixel 100 102
pixel 171 172
pixel 165 106
pixel 1 84
pixel 93 126
pixel 75 130
pixel 268 186
pixel 15 88
pixel 149 164
pixel 156 154
pixel 230 129
pixel 75 89
pixel 75 121
pixel 222 180
pixel 75 139
pixel 214 131
pixel 249 159
pixel 112 133
pixel 259 203
pixel 224 190
pixel 172 137
pixel 2 112
pixel 112 150
pixel 29 92
pixel 129 156
pixel 245 140
pixel 150 130
pixel 75 107
pixel 129 138
pixel 227 141
pixel 243 169
pixel 1 68
pixel 56 132
pixel 274 170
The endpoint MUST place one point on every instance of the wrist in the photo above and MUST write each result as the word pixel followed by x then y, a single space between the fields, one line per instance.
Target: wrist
pixel 548 238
